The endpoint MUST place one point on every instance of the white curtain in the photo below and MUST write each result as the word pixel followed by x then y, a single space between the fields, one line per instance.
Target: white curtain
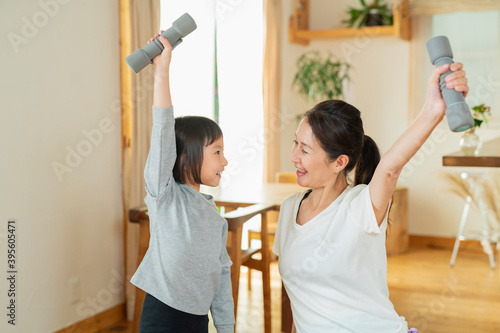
pixel 192 66
pixel 239 60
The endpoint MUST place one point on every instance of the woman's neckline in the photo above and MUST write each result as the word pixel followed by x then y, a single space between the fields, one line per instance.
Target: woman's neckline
pixel 326 209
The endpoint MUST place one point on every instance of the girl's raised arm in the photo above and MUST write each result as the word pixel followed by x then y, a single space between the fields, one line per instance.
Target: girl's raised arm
pixel 161 92
pixel 406 146
pixel 162 154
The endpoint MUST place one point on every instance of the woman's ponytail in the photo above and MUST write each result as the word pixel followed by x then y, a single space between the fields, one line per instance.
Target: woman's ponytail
pixel 367 162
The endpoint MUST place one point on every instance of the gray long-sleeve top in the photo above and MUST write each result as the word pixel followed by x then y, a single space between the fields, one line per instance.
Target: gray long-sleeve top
pixel 186 266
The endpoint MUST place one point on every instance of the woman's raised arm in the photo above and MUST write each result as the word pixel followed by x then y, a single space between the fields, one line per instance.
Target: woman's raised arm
pixel 406 146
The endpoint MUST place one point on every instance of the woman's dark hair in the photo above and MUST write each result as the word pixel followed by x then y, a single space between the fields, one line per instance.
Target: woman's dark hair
pixel 192 134
pixel 338 128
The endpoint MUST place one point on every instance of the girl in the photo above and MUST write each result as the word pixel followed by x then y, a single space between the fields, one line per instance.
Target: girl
pixel 186 270
pixel 330 239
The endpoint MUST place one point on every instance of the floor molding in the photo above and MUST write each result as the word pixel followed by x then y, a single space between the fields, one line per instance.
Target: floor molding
pixel 98 321
pixel 444 243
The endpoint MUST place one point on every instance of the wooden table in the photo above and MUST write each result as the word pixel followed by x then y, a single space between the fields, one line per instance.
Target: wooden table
pixel 488 156
pixel 269 193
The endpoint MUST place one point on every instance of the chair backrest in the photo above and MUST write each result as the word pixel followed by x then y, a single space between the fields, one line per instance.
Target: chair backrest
pixel 286 177
pixel 236 218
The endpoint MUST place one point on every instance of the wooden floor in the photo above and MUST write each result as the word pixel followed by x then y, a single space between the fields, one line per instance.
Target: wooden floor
pixel 423 287
pixel 437 298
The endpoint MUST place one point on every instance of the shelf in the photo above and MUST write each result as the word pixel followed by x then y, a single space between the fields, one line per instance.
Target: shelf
pixel 346 32
pixel 299 32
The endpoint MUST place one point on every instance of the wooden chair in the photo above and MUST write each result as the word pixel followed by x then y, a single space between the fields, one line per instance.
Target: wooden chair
pixel 239 257
pixel 281 177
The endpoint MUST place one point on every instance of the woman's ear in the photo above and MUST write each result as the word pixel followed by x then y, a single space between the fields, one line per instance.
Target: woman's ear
pixel 340 163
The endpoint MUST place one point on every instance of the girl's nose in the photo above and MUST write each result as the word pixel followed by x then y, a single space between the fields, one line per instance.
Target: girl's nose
pixel 224 161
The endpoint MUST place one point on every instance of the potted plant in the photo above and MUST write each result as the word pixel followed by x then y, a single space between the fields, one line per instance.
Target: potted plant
pixel 376 13
pixel 471 143
pixel 321 78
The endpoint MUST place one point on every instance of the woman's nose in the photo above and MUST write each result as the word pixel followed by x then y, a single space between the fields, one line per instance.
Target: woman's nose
pixel 293 157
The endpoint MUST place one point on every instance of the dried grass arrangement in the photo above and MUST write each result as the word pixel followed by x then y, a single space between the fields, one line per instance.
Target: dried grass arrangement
pixel 487 187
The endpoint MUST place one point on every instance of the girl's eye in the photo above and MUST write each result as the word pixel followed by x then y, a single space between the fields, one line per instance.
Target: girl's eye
pixel 218 152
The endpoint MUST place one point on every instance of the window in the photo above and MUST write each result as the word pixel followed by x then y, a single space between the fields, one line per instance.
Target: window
pixel 475 40
pixel 239 74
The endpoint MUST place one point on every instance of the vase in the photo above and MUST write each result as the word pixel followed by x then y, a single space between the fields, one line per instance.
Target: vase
pixel 470 143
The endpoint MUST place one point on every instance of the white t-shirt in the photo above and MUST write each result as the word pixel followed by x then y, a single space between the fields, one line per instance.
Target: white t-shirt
pixel 334 267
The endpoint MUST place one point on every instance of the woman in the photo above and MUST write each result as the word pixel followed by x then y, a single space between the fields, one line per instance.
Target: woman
pixel 330 239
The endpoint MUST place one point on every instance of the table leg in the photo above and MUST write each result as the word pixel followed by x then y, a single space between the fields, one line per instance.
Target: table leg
pixel 266 278
pixel 476 190
pixel 144 235
pixel 460 233
pixel 485 239
pixel 235 245
pixel 286 311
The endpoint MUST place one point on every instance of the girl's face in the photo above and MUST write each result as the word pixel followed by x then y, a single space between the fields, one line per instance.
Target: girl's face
pixel 213 163
pixel 314 169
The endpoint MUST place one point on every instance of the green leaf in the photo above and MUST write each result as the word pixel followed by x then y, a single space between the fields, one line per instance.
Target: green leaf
pixel 319 77
pixel 358 16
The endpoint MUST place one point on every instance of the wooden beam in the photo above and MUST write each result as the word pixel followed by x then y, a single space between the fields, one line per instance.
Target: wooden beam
pixel 299 21
pixel 126 112
pixel 404 22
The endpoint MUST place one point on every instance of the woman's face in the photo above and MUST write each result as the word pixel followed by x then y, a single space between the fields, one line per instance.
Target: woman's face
pixel 314 169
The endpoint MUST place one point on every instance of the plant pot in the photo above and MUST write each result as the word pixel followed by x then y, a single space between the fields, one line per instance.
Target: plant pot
pixel 373 18
pixel 470 143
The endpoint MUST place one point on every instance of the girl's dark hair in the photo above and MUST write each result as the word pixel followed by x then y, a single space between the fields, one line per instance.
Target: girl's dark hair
pixel 338 128
pixel 192 134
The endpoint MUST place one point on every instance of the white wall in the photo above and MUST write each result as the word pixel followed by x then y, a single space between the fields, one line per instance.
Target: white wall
pixel 60 80
pixel 379 88
pixel 379 76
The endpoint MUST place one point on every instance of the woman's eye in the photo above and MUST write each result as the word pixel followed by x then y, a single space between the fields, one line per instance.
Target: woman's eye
pixel 295 142
pixel 305 152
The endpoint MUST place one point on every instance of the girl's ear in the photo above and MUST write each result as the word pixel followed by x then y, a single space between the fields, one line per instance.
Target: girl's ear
pixel 340 163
